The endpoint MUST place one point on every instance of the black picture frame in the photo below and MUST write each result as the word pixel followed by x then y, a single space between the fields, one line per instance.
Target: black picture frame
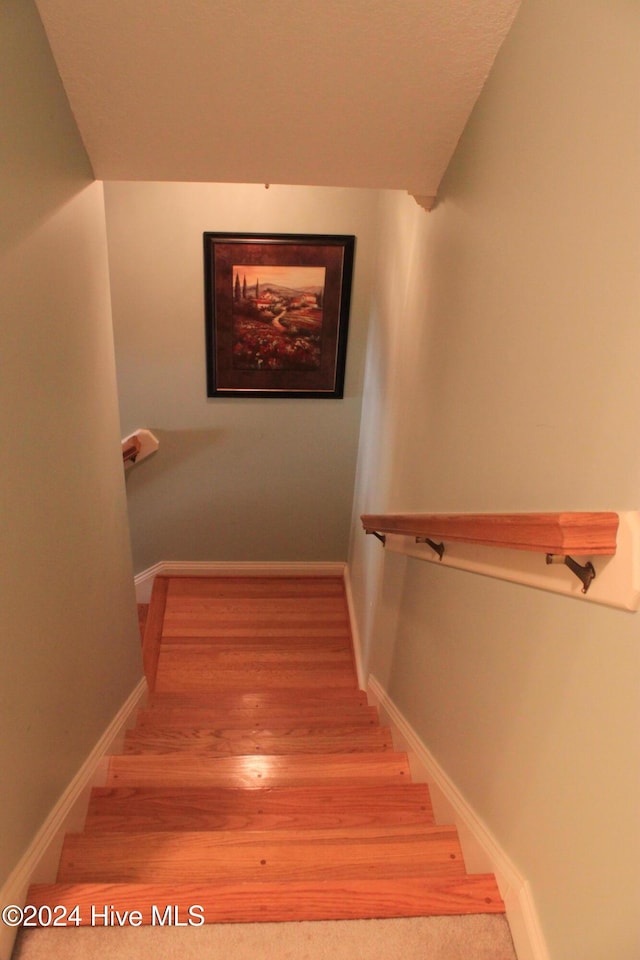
pixel 277 314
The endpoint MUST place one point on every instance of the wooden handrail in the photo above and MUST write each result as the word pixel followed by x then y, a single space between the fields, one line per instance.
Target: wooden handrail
pixel 562 534
pixel 131 449
pixel 138 446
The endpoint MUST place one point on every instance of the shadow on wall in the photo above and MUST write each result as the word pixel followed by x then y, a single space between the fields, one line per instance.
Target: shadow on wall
pixel 175 447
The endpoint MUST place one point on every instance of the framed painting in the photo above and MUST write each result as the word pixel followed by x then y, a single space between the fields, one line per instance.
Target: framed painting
pixel 277 314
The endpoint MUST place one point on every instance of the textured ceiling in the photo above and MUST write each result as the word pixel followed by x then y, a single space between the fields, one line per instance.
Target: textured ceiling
pixel 353 93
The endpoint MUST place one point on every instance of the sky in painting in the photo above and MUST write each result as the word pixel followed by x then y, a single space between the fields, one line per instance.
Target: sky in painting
pixel 295 277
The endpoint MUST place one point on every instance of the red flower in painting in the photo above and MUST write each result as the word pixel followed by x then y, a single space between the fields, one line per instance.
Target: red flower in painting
pixel 257 345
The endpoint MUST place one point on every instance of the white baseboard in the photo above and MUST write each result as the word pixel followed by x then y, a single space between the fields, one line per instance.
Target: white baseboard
pixel 482 853
pixel 213 568
pixel 40 862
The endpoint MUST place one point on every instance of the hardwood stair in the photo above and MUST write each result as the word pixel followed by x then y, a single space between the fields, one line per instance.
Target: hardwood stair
pixel 257 783
pixel 143 610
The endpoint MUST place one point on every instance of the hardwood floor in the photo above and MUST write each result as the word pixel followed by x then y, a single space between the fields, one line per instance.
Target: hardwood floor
pixel 257 782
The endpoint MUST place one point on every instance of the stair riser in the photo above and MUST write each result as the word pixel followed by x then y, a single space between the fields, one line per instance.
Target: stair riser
pixel 300 701
pixel 273 902
pixel 238 720
pixel 324 636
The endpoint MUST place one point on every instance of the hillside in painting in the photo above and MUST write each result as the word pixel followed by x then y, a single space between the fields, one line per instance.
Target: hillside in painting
pixel 276 327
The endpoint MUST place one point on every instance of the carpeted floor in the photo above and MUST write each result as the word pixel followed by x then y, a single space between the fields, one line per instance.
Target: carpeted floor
pixel 480 937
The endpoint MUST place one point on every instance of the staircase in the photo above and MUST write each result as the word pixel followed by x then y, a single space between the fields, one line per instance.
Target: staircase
pixel 257 783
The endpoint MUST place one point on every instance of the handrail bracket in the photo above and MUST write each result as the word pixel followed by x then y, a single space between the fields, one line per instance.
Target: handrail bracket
pixel 379 536
pixel 586 574
pixel 438 547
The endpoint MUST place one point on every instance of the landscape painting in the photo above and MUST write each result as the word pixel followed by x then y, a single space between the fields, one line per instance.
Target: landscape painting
pixel 277 317
pixel 277 314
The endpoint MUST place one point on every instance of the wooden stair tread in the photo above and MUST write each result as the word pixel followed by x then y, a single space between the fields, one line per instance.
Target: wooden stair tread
pixel 191 605
pixel 219 808
pixel 192 672
pixel 211 856
pixel 268 771
pixel 267 588
pixel 239 599
pixel 229 655
pixel 358 898
pixel 261 708
pixel 250 718
pixel 219 743
pixel 257 609
pixel 264 698
pixel 265 617
pixel 143 612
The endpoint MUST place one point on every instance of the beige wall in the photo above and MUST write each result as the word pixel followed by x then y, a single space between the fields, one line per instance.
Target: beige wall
pixel 68 633
pixel 503 375
pixel 234 479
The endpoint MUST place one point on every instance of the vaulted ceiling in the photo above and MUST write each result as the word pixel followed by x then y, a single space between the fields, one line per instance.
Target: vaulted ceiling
pixel 353 93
